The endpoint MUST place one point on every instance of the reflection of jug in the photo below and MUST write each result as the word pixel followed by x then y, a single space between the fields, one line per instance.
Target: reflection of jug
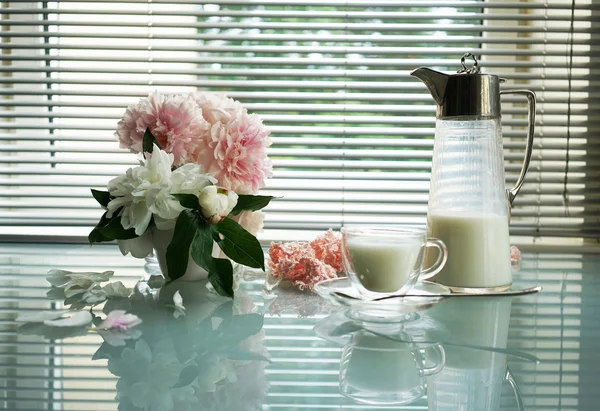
pixel 472 378
pixel 467 199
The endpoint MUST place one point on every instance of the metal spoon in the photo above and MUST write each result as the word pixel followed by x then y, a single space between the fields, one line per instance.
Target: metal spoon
pixel 524 291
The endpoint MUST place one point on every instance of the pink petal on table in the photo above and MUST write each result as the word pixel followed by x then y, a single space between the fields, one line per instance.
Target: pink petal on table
pixel 119 319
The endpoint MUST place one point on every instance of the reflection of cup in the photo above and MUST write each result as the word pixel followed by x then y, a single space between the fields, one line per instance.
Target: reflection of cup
pixel 381 261
pixel 378 370
pixel 472 378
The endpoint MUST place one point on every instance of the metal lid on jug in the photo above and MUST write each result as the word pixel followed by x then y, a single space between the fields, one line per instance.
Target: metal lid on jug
pixel 466 93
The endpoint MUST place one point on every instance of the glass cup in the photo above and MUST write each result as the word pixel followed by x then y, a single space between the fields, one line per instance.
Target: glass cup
pixel 380 371
pixel 381 261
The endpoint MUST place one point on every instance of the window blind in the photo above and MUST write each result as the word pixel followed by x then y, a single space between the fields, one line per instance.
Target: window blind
pixel 352 131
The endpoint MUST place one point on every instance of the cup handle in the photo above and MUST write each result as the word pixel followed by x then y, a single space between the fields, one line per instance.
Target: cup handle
pixel 439 363
pixel 439 263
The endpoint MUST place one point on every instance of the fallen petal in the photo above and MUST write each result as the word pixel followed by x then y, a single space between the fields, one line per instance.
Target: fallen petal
pixel 117 337
pixel 58 277
pixel 78 319
pixel 116 289
pixel 178 301
pixel 40 317
pixel 119 319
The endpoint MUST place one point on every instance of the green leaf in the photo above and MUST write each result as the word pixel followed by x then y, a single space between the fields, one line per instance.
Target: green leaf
pixel 102 197
pixel 220 271
pixel 202 245
pixel 187 200
pixel 179 248
pixel 250 203
pixel 221 277
pixel 187 376
pixel 108 352
pixel 239 245
pixel 115 231
pixel 243 326
pixel 148 142
pixel 95 235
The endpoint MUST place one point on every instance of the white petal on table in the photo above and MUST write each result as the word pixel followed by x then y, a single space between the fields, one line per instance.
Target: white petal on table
pixel 40 317
pixel 78 319
pixel 178 302
pixel 116 289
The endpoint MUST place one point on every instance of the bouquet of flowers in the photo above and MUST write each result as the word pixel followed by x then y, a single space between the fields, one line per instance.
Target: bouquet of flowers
pixel 204 158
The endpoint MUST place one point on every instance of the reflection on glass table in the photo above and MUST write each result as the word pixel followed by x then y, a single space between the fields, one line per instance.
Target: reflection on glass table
pixel 286 350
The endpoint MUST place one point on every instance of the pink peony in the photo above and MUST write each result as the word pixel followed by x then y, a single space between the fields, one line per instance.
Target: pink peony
pixel 235 153
pixel 176 122
pixel 252 221
pixel 218 108
pixel 212 130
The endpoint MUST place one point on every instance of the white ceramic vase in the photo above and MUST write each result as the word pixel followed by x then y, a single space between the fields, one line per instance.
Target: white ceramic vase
pixel 160 240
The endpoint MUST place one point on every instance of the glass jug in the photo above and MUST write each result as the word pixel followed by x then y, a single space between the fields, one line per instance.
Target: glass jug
pixel 469 207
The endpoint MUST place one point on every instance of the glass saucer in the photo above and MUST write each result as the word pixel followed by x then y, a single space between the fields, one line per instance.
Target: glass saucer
pixel 417 328
pixel 388 310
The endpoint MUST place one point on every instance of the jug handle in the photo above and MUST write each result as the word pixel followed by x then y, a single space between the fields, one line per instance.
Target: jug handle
pixel 513 383
pixel 512 192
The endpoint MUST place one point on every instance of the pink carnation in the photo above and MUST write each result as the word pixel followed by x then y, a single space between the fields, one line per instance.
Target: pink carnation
pixel 328 248
pixel 515 258
pixel 297 263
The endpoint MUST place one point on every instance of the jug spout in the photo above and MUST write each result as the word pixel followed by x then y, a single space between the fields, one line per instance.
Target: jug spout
pixel 435 81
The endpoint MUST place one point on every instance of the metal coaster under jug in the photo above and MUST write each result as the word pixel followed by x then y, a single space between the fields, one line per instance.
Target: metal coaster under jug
pixel 469 207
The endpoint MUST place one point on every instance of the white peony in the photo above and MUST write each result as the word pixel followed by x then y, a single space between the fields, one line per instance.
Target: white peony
pixel 139 247
pixel 216 203
pixel 146 190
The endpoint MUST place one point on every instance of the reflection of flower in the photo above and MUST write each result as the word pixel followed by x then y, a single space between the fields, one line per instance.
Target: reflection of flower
pixel 147 375
pixel 300 304
pixel 210 359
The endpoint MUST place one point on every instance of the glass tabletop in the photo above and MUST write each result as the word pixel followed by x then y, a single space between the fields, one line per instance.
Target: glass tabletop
pixel 288 350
